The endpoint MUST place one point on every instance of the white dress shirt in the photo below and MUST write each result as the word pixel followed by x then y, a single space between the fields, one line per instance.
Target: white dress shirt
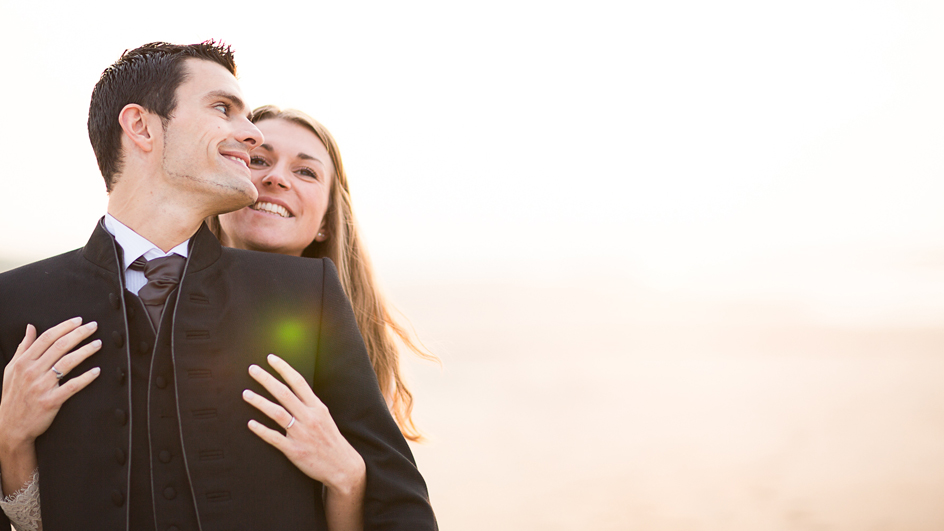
pixel 133 245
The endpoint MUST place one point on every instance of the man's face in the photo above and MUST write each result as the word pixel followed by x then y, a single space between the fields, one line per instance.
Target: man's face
pixel 208 138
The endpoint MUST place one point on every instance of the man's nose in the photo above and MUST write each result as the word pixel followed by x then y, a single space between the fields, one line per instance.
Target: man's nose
pixel 250 135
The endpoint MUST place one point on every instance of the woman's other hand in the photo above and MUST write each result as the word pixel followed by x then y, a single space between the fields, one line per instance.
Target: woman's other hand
pixel 312 440
pixel 32 395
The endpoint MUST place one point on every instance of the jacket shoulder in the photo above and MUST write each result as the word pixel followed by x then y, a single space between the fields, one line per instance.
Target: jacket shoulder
pixel 43 269
pixel 47 292
pixel 255 261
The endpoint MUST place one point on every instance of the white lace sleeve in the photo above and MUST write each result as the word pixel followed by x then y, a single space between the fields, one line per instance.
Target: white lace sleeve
pixel 22 507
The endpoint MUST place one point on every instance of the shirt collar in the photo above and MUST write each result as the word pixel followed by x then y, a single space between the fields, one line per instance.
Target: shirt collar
pixel 134 245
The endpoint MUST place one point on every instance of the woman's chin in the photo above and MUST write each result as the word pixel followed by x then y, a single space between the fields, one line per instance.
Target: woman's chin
pixel 261 231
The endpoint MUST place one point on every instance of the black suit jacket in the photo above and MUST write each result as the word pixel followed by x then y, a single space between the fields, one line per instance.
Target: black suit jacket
pixel 232 309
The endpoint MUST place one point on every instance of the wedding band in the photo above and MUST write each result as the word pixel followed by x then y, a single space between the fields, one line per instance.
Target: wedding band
pixel 290 424
pixel 59 375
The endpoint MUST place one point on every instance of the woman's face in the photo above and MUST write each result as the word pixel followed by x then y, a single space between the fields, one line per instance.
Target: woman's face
pixel 293 173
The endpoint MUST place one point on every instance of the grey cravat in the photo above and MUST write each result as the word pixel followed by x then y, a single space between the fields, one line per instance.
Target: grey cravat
pixel 163 275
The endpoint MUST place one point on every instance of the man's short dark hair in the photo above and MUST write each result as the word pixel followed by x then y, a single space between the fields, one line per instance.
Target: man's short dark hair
pixel 148 76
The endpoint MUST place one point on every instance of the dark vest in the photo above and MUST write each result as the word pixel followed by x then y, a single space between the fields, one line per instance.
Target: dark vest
pixel 160 496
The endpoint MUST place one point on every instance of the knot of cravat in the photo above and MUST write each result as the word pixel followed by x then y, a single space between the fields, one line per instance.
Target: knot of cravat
pixel 163 275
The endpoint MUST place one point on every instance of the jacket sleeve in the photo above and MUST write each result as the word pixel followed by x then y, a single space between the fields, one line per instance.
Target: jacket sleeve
pixel 4 521
pixel 396 496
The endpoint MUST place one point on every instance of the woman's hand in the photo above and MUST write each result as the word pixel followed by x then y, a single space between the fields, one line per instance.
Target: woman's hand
pixel 32 395
pixel 312 440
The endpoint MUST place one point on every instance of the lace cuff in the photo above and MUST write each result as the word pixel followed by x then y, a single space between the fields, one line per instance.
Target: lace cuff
pixel 22 507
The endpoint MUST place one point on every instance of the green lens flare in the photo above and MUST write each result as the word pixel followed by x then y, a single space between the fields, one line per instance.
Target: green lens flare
pixel 289 335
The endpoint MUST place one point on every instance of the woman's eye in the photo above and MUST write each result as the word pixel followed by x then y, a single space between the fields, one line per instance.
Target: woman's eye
pixel 257 161
pixel 308 173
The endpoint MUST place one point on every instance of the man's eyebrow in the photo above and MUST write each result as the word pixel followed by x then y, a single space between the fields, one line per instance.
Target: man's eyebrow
pixel 235 100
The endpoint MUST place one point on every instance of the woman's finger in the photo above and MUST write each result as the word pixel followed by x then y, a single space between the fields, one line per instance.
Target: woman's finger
pixel 295 380
pixel 268 435
pixel 271 410
pixel 76 384
pixel 74 358
pixel 47 338
pixel 13 367
pixel 280 391
pixel 64 344
pixel 28 339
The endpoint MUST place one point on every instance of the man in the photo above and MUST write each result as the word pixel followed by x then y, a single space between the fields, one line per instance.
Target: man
pixel 155 435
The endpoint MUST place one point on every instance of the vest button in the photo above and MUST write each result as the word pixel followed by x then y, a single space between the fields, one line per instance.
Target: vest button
pixel 121 416
pixel 130 312
pixel 121 376
pixel 161 382
pixel 118 338
pixel 164 456
pixel 120 456
pixel 170 493
pixel 143 347
pixel 117 498
pixel 113 299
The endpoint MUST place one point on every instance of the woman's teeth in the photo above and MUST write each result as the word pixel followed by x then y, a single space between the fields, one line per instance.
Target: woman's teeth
pixel 271 208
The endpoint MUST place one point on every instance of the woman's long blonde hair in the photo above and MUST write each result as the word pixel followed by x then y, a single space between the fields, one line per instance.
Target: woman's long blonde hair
pixel 344 246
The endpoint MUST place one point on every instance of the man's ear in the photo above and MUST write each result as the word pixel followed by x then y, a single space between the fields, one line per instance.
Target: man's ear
pixel 138 126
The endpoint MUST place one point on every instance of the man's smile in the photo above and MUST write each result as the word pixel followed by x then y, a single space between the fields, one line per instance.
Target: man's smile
pixel 239 160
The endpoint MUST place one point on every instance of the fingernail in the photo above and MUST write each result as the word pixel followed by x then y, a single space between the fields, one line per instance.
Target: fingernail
pixel 247 394
pixel 91 325
pixel 253 369
pixel 253 424
pixel 271 357
pixel 76 320
pixel 96 343
pixel 96 371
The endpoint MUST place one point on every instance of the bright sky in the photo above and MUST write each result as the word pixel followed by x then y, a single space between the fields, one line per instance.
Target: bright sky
pixel 740 146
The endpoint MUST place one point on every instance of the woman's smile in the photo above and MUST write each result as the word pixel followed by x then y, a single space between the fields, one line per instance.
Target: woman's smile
pixel 271 208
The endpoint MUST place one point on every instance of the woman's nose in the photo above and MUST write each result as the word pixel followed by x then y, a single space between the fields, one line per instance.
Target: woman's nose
pixel 277 176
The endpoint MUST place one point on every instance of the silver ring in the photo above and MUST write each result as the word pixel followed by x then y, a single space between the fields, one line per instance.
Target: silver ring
pixel 290 424
pixel 59 375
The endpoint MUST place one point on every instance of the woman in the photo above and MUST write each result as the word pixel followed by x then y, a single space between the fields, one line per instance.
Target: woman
pixel 319 223
pixel 303 209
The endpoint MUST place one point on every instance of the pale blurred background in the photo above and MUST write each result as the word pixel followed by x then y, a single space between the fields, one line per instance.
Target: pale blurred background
pixel 683 261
